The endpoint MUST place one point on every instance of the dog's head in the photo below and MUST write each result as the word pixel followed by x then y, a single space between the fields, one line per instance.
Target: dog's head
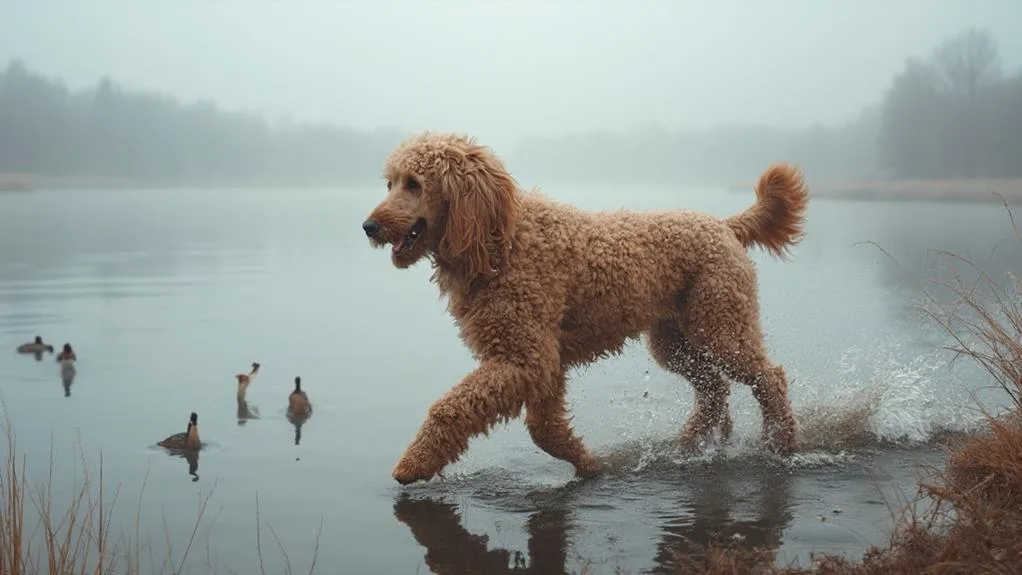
pixel 448 198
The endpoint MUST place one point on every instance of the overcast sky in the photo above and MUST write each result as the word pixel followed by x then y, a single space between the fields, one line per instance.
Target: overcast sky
pixel 503 69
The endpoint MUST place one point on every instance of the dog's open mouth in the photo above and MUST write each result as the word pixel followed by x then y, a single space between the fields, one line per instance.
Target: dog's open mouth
pixel 402 245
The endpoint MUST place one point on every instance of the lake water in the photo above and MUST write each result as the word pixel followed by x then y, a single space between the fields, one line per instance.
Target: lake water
pixel 165 295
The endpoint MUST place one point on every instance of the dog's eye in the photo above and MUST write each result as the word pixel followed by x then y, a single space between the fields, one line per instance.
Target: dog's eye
pixel 389 184
pixel 412 184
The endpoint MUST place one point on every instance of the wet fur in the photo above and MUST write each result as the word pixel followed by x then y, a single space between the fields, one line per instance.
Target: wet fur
pixel 537 287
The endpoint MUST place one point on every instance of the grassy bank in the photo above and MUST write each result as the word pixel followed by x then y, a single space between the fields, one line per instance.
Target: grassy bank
pixel 47 529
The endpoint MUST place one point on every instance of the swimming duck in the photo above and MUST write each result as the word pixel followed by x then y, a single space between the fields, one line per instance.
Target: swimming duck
pixel 67 354
pixel 186 440
pixel 244 379
pixel 36 346
pixel 67 359
pixel 298 401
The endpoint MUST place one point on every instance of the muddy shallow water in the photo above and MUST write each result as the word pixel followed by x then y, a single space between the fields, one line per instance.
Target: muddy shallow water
pixel 165 295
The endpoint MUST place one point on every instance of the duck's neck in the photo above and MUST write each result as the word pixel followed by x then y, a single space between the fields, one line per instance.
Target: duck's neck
pixel 193 435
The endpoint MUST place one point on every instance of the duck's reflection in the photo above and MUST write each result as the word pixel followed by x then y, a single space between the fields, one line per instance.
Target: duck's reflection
pixel 191 456
pixel 706 515
pixel 450 548
pixel 245 413
pixel 298 420
pixel 192 459
pixel 67 381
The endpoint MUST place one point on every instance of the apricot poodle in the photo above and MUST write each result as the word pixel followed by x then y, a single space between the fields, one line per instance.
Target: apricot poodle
pixel 537 287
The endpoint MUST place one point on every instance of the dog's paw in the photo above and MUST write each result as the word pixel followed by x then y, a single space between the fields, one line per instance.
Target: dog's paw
pixel 407 471
pixel 779 441
pixel 589 468
pixel 691 443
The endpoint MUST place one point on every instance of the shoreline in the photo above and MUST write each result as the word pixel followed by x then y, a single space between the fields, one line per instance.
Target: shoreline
pixel 981 190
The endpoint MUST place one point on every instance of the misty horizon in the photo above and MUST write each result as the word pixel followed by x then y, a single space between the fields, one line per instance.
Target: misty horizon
pixel 556 105
pixel 505 73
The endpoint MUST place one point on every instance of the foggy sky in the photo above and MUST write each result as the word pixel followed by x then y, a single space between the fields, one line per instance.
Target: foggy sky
pixel 498 69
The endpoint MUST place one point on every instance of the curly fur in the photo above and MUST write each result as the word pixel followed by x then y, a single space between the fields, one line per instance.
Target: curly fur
pixel 537 287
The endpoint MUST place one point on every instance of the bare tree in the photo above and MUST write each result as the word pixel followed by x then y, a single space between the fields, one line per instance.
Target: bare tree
pixel 968 62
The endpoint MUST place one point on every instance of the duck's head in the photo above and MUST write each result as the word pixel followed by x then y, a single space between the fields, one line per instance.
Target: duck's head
pixel 38 339
pixel 298 383
pixel 67 347
pixel 255 366
pixel 193 418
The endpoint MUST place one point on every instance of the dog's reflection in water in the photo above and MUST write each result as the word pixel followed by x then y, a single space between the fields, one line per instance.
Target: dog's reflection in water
pixel 450 548
pixel 707 518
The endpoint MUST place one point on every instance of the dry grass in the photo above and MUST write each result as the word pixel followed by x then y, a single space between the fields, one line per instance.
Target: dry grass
pixel 76 536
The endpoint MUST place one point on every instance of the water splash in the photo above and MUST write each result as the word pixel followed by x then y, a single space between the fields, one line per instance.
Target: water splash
pixel 891 394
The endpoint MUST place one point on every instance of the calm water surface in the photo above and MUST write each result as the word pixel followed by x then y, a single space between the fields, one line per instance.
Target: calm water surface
pixel 166 295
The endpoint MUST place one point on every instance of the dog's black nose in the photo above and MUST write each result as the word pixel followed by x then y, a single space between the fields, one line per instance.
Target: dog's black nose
pixel 371 227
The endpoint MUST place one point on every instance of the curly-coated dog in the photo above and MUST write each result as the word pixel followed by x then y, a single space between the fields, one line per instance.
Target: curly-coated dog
pixel 537 287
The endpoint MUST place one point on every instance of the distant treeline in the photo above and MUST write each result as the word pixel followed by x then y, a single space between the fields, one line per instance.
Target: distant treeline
pixel 108 133
pixel 952 115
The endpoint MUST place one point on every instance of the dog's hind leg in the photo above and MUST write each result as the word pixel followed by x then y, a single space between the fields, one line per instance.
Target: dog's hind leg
pixel 547 420
pixel 675 353
pixel 721 318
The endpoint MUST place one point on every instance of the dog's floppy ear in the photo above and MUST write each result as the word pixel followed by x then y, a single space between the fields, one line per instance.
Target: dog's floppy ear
pixel 483 206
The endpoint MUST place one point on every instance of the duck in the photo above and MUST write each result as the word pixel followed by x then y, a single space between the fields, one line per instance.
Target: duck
pixel 188 439
pixel 66 358
pixel 66 354
pixel 245 379
pixel 36 346
pixel 298 405
pixel 244 412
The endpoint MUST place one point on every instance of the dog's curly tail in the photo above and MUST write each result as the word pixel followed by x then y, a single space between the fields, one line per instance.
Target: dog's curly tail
pixel 776 221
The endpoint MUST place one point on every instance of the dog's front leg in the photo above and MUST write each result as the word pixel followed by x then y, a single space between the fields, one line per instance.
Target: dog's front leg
pixel 493 392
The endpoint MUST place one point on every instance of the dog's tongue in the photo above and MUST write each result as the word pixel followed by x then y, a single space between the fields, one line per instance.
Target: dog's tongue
pixel 397 245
